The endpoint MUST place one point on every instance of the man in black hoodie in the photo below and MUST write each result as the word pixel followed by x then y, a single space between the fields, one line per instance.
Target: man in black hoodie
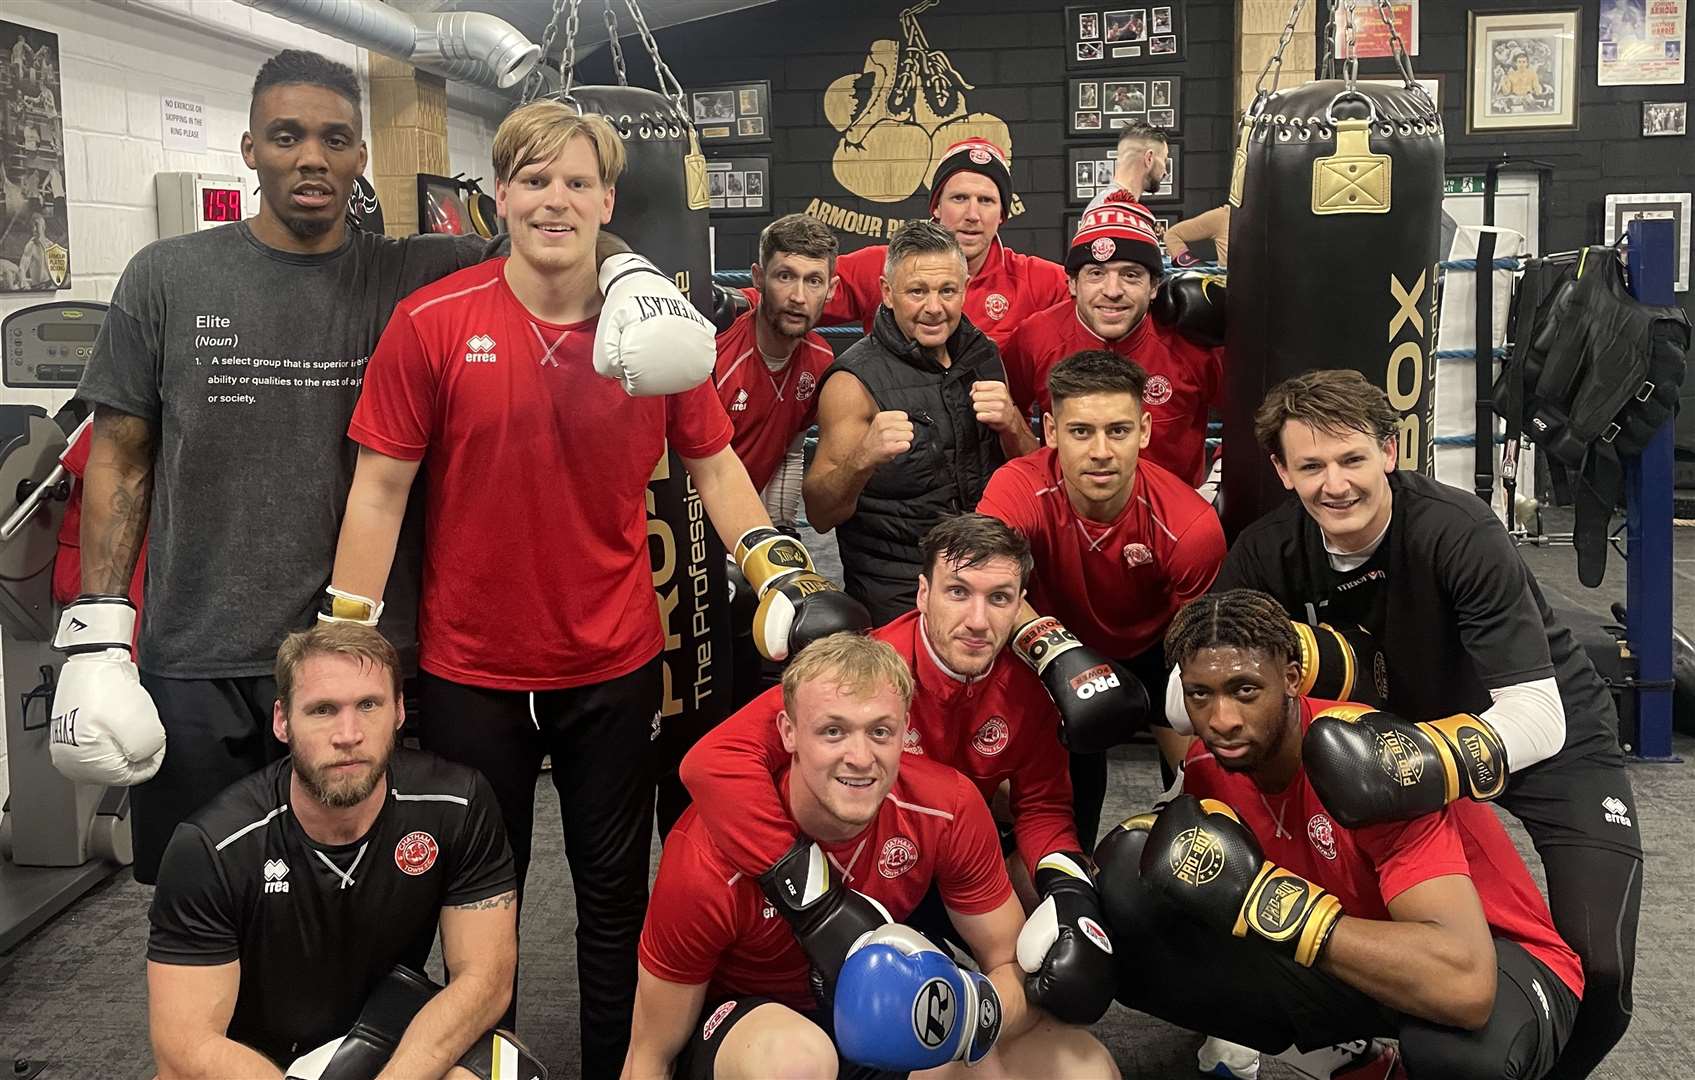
pixel 912 421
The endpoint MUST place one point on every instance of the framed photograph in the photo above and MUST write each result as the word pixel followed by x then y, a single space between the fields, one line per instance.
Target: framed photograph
pixel 1090 171
pixel 1106 104
pixel 1371 36
pixel 738 185
pixel 1665 118
pixel 1432 85
pixel 1126 33
pixel 732 112
pixel 35 240
pixel 1522 70
pixel 1621 210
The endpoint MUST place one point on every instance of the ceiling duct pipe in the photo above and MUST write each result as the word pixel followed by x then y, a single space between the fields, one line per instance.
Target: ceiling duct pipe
pixel 467 46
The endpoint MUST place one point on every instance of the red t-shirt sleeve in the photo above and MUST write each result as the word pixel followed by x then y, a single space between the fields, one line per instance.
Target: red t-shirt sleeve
pixel 1406 853
pixel 1042 820
pixel 1196 557
pixel 396 410
pixel 696 423
pixel 970 872
pixel 690 916
pixel 1007 497
pixel 731 774
pixel 858 294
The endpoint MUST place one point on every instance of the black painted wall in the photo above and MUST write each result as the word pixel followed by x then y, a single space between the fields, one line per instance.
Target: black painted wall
pixel 1606 155
pixel 1012 51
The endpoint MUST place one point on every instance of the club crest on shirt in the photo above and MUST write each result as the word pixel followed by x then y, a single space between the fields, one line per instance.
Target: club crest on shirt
pixel 1322 835
pixel 1137 555
pixel 997 306
pixel 992 737
pixel 804 386
pixel 899 856
pixel 716 1018
pixel 1157 391
pixel 416 852
pixel 912 742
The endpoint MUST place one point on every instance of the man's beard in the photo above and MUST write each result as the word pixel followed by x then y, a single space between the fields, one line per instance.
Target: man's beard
pixel 773 316
pixel 306 228
pixel 339 794
pixel 1254 762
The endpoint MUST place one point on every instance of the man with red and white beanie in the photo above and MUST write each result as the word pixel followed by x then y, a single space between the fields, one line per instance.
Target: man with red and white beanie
pixel 1116 271
pixel 969 197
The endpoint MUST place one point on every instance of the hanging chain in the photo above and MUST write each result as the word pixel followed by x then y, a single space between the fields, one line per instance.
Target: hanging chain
pixel 668 84
pixel 1327 63
pixel 1350 56
pixel 568 67
pixel 613 44
pixel 1276 61
pixel 536 80
pixel 1397 47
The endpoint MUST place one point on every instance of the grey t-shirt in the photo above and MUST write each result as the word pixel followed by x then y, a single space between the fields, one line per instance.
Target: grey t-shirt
pixel 249 361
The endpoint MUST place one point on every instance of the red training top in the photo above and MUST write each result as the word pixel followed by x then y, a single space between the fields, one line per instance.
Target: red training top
pixel 1006 290
pixel 1367 868
pixel 708 923
pixel 1115 585
pixel 1183 378
pixel 997 727
pixel 536 570
pixel 767 409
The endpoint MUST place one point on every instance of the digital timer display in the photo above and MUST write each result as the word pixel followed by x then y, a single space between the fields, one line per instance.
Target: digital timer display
pixel 220 204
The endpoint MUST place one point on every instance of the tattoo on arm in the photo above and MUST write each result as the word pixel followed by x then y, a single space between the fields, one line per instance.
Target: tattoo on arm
pixel 504 900
pixel 118 494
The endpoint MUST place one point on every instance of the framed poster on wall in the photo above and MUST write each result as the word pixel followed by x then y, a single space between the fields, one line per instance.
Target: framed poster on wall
pixel 1113 35
pixel 1088 171
pixel 732 112
pixel 738 185
pixel 1371 34
pixel 1521 70
pixel 1101 104
pixel 35 252
pixel 1621 210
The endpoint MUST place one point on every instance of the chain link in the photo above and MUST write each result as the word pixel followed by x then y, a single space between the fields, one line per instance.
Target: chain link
pixel 668 84
pixel 1327 63
pixel 1276 61
pixel 568 69
pixel 1398 48
pixel 536 80
pixel 1350 56
pixel 615 46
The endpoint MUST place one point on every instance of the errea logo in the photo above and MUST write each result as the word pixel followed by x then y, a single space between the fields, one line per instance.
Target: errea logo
pixel 479 349
pixel 275 870
pixel 1615 811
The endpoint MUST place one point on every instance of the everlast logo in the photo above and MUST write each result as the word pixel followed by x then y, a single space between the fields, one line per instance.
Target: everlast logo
pixel 62 730
pixel 654 307
pixel 1399 758
pixel 1403 378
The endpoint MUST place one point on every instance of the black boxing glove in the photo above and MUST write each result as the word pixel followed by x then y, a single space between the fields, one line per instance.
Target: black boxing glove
pixel 1192 304
pixel 1341 664
pixel 826 916
pixel 797 606
pixel 1369 766
pixel 1204 860
pixel 1064 948
pixel 1100 705
pixel 727 306
pixel 371 1041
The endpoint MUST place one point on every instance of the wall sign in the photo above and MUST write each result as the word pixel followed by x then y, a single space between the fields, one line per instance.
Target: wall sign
pixel 732 112
pixel 182 118
pixel 739 185
pixel 1100 104
pixel 1101 36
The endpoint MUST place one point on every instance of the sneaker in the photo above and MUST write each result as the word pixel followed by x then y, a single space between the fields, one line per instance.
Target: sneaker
pixel 1226 1059
pixel 1362 1059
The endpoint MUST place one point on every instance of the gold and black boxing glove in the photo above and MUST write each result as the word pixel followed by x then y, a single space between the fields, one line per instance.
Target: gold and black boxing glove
pixel 797 605
pixel 338 605
pixel 1341 664
pixel 1369 766
pixel 1202 858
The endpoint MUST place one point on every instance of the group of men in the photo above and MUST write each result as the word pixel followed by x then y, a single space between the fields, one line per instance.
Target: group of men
pixel 1009 460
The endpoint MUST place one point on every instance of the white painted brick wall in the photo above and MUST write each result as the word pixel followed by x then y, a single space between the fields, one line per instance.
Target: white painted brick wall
pixel 117 60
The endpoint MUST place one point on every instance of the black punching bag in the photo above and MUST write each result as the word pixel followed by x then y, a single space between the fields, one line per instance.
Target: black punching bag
pixel 1336 200
pixel 660 211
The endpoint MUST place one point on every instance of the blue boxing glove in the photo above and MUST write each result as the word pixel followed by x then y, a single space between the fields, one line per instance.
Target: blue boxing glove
pixel 903 1005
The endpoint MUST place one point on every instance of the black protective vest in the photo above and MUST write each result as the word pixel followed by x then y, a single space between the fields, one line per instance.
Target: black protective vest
pixel 945 472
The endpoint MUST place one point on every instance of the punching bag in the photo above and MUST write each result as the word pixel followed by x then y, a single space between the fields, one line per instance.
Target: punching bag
pixel 1337 203
pixel 660 211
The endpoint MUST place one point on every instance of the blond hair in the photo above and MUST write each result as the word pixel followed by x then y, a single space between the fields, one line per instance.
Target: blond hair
pixel 860 665
pixel 355 640
pixel 539 131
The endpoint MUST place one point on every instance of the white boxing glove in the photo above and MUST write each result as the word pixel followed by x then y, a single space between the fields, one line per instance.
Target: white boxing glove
pixel 105 728
pixel 1177 713
pixel 650 337
pixel 311 1065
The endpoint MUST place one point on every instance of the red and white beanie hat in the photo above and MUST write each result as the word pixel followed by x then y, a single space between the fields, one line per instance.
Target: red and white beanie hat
pixel 1119 230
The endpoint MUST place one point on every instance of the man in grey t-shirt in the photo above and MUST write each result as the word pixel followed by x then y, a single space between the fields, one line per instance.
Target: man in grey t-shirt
pixel 223 381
